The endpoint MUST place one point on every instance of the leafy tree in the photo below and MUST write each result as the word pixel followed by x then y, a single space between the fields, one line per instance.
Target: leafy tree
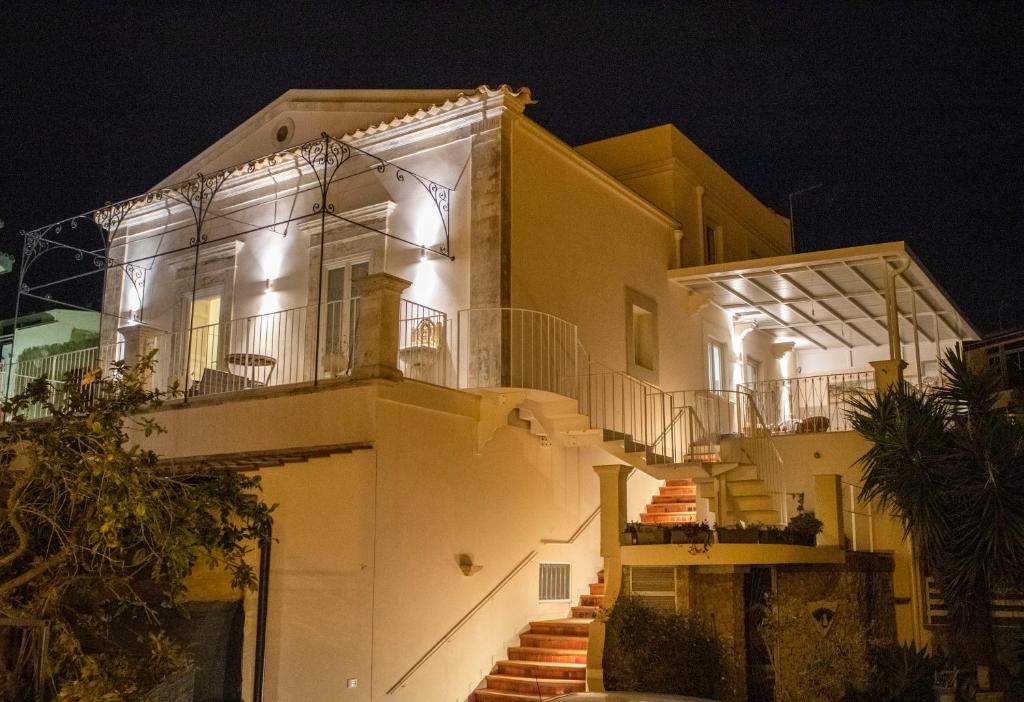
pixel 93 531
pixel 949 464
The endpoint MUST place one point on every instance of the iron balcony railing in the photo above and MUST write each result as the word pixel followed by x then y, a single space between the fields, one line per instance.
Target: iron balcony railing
pixel 809 404
pixel 259 351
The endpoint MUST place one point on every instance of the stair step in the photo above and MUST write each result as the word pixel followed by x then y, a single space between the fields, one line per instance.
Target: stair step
pixel 689 491
pixel 678 483
pixel 542 669
pixel 678 518
pixel 561 627
pixel 671 507
pixel 596 588
pixel 754 503
pixel 541 686
pixel 585 612
pixel 672 499
pixel 551 655
pixel 485 695
pixel 747 487
pixel 591 600
pixel 560 641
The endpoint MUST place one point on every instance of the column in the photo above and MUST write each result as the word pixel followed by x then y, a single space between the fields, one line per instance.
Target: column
pixel 376 342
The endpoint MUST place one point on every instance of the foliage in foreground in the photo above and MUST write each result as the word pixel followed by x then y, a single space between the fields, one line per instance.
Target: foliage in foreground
pixel 949 464
pixel 651 650
pixel 93 532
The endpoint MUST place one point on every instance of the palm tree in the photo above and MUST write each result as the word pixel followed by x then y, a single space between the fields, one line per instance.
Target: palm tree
pixel 949 464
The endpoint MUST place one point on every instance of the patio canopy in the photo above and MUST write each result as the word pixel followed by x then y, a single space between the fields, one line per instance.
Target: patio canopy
pixel 830 299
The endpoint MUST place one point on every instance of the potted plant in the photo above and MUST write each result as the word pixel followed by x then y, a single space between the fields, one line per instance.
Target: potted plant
pixel 771 534
pixel 804 528
pixel 690 533
pixel 738 534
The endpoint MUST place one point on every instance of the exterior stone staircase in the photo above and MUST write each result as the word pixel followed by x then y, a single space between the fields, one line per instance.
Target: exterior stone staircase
pixel 551 658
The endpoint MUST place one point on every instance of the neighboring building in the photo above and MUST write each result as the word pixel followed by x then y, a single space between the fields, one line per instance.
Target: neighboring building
pixel 52 343
pixel 1004 354
pixel 434 330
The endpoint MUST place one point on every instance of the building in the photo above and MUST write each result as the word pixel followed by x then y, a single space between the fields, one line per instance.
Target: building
pixel 463 354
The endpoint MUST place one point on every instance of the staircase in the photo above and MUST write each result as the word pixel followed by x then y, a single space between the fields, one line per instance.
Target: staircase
pixel 551 658
pixel 675 503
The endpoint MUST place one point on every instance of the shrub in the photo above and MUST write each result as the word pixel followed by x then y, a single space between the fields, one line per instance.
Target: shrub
pixel 652 650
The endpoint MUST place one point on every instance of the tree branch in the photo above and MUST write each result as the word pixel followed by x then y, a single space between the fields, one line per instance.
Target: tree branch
pixel 33 573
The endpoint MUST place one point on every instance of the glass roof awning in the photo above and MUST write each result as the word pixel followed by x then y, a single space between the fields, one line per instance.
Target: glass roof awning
pixel 830 299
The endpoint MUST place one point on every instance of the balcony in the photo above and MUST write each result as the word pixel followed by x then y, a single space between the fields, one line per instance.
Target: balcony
pixel 808 404
pixel 289 348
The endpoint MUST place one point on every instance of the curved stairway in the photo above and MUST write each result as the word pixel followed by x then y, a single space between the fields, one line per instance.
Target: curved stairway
pixel 551 658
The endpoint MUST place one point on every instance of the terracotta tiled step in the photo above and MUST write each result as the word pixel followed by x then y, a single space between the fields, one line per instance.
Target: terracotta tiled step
pixel 572 643
pixel 537 686
pixel 596 588
pixel 591 600
pixel 561 627
pixel 541 669
pixel 584 612
pixel 677 491
pixel 484 695
pixel 678 483
pixel 667 507
pixel 550 655
pixel 683 518
pixel 673 499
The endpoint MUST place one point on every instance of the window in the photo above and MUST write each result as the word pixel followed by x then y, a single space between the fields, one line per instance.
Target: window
pixel 205 348
pixel 751 370
pixel 716 366
pixel 641 336
pixel 339 317
pixel 710 243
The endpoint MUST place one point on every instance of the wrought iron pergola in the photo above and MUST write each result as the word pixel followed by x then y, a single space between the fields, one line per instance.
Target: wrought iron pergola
pixel 318 165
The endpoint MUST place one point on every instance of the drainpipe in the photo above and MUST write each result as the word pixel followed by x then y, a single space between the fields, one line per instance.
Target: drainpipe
pixel 892 312
pixel 700 223
pixel 261 618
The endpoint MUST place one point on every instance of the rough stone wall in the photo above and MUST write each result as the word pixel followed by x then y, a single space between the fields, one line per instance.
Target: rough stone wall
pixel 719 597
pixel 860 593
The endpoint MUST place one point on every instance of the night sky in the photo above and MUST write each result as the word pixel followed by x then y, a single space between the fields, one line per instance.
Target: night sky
pixel 911 115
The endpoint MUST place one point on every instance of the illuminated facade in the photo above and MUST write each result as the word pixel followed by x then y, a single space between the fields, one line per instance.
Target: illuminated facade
pixel 426 321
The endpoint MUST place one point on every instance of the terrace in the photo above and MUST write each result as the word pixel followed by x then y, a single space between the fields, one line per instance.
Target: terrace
pixel 828 317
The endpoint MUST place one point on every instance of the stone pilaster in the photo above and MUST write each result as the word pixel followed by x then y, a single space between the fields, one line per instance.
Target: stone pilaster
pixel 376 343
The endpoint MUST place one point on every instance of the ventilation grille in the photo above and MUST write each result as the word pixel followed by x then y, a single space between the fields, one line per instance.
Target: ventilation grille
pixel 656 587
pixel 554 582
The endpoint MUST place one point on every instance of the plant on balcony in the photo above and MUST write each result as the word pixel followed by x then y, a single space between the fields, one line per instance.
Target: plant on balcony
pixel 639 534
pixel 660 652
pixel 698 535
pixel 94 531
pixel 803 529
pixel 949 464
pixel 741 533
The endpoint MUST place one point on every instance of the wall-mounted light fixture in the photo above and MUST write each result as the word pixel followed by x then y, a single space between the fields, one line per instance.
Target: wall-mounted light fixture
pixel 466 564
pixel 269 287
pixel 423 253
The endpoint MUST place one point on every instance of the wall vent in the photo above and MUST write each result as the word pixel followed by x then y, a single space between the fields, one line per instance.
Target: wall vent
pixel 554 582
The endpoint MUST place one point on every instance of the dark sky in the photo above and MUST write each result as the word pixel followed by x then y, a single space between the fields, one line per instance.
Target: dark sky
pixel 910 114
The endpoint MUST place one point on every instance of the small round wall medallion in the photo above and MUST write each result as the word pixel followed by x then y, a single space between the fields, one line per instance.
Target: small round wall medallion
pixel 817 454
pixel 284 131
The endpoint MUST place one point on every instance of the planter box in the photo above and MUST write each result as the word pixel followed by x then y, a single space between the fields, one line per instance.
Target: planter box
pixel 682 536
pixel 738 536
pixel 179 687
pixel 775 537
pixel 644 537
pixel 804 539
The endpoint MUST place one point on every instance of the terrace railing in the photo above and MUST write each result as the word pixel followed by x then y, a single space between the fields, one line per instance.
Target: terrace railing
pixel 810 403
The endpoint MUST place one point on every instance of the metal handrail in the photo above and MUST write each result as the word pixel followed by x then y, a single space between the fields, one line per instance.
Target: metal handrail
pixel 462 622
